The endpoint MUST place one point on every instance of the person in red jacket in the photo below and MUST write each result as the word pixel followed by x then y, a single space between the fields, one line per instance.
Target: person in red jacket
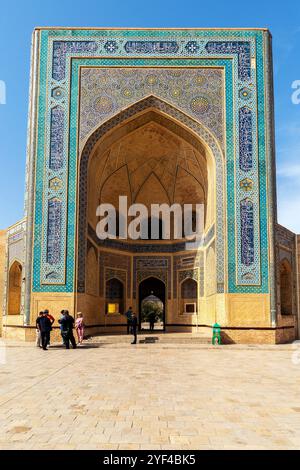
pixel 51 319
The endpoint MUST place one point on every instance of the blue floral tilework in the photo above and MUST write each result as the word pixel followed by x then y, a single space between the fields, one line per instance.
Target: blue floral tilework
pixel 245 127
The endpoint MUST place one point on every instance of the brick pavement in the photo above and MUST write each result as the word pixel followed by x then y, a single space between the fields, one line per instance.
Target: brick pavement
pixel 149 396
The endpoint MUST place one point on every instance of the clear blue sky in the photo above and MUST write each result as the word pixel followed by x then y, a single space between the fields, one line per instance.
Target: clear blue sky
pixel 18 18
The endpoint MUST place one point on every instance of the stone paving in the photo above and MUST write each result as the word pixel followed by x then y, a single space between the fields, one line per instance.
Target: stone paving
pixel 149 396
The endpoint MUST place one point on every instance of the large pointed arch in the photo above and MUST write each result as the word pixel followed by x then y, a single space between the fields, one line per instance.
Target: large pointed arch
pixel 191 130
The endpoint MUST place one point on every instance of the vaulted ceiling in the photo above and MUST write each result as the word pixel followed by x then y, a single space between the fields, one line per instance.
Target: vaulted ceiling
pixel 153 162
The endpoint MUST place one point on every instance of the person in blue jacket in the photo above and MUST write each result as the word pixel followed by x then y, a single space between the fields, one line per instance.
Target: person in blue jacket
pixel 128 315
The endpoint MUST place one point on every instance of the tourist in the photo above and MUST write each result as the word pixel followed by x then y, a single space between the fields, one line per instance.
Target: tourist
pixel 62 312
pixel 38 331
pixel 79 326
pixel 128 315
pixel 67 324
pixel 51 319
pixel 133 326
pixel 152 320
pixel 44 325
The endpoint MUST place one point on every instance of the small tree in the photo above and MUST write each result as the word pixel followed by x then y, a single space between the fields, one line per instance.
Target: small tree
pixel 149 306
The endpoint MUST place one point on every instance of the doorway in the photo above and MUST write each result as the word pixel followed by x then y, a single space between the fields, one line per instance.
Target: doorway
pixel 152 297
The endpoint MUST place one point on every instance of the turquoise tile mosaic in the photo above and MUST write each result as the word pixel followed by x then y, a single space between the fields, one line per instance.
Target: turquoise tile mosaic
pixel 240 140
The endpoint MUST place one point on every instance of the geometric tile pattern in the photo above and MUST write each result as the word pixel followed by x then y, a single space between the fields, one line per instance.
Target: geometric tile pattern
pixel 60 51
pixel 188 274
pixel 197 92
pixel 245 93
pixel 192 47
pixel 242 49
pixel 55 184
pixel 111 46
pixel 246 184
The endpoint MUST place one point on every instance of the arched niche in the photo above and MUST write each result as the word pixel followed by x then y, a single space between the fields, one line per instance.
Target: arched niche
pixel 286 288
pixel 14 289
pixel 114 296
pixel 189 295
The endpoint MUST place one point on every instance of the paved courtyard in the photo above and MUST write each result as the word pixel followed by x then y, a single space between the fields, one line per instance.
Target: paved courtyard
pixel 149 396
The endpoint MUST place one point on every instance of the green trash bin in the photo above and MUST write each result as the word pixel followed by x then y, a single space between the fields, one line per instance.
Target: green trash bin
pixel 216 337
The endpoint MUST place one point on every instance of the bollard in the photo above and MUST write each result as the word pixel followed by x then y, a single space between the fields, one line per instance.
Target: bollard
pixel 216 337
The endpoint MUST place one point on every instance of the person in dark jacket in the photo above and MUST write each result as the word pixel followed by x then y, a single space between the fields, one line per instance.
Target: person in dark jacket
pixel 51 318
pixel 152 320
pixel 67 324
pixel 38 331
pixel 133 326
pixel 128 316
pixel 62 312
pixel 44 326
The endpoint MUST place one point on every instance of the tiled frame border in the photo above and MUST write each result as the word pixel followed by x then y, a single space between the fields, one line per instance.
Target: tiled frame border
pixel 225 35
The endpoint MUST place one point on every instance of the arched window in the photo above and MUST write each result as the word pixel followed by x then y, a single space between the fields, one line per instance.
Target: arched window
pixel 286 288
pixel 14 289
pixel 189 296
pixel 189 289
pixel 91 272
pixel 114 296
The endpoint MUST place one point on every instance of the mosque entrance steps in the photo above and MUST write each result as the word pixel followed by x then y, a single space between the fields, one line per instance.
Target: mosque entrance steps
pixel 145 337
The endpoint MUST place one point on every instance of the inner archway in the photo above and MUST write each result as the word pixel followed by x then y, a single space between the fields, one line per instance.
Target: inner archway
pixel 153 154
pixel 152 298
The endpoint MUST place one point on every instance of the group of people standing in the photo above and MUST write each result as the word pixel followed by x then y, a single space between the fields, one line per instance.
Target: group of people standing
pixel 44 324
pixel 67 323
